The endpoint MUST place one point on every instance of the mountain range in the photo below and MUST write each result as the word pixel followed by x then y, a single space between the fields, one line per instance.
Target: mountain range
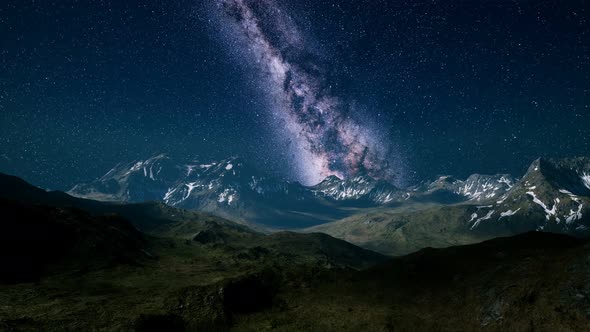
pixel 553 196
pixel 221 186
pixel 227 188
pixel 232 189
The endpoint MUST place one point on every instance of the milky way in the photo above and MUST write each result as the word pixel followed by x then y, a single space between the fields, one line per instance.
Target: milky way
pixel 324 132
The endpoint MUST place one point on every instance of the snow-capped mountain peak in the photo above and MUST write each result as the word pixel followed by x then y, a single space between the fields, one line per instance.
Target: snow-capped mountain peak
pixel 553 194
pixel 476 188
pixel 361 187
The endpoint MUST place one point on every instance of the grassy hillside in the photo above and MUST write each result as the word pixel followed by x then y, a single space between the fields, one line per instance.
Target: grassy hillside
pixel 398 232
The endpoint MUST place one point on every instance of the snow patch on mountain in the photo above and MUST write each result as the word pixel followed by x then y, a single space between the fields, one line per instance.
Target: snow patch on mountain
pixel 548 213
pixel 135 168
pixel 191 186
pixel 476 188
pixel 228 195
pixel 506 181
pixel 508 213
pixel 574 215
pixel 486 217
pixel 169 194
pixel 190 169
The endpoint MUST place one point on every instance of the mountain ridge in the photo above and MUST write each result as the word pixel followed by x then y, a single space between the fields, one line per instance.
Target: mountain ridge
pixel 233 190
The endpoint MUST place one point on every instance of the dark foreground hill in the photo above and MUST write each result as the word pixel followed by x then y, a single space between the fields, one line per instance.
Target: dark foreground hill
pixel 64 267
pixel 37 240
pixel 529 282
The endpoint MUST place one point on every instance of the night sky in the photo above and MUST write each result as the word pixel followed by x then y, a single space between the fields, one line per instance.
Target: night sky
pixel 405 90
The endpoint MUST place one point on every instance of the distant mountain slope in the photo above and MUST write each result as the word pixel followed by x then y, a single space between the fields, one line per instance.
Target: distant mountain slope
pixel 476 188
pixel 396 232
pixel 553 196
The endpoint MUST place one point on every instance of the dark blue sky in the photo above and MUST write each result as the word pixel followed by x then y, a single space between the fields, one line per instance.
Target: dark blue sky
pixel 457 86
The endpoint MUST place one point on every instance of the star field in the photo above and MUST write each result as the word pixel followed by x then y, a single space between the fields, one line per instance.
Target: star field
pixel 431 87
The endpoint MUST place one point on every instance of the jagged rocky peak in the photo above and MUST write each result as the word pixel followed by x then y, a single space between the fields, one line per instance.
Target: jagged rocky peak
pixel 443 182
pixel 552 193
pixel 361 187
pixel 571 174
pixel 477 187
pixel 330 180
pixel 213 186
pixel 153 168
pixel 139 180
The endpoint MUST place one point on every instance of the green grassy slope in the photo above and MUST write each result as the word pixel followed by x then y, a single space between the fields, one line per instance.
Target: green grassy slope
pixel 396 232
